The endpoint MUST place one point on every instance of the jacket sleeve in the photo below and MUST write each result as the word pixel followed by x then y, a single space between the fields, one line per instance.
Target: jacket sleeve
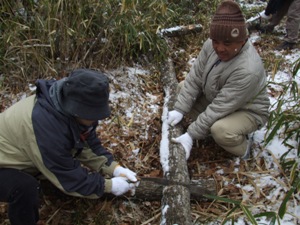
pixel 192 87
pixel 54 156
pixel 240 88
pixel 96 157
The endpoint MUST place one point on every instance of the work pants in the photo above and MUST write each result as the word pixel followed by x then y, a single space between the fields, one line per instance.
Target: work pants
pixel 290 8
pixel 229 132
pixel 21 191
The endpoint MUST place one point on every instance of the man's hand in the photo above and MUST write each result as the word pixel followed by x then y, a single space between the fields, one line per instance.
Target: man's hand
pixel 121 185
pixel 174 117
pixel 187 143
pixel 124 172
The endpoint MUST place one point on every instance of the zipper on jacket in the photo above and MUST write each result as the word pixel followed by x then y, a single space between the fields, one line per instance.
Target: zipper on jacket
pixel 214 65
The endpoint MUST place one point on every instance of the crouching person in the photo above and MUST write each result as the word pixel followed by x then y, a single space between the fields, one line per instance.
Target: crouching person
pixel 225 90
pixel 53 133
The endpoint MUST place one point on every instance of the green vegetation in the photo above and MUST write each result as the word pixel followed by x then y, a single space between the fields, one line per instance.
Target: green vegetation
pixel 44 38
pixel 285 121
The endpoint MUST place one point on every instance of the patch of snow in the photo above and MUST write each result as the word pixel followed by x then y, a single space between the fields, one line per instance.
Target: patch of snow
pixel 164 144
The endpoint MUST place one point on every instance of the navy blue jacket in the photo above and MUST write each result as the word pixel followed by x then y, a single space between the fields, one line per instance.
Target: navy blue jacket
pixel 68 154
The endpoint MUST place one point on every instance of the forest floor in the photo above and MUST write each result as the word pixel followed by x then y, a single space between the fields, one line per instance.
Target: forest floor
pixel 133 135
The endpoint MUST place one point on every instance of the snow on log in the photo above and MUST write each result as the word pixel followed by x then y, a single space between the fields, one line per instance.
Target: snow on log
pixel 176 198
pixel 180 30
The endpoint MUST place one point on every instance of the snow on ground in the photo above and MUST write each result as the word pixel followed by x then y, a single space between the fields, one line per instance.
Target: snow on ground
pixel 130 100
pixel 275 149
pixel 273 185
pixel 133 103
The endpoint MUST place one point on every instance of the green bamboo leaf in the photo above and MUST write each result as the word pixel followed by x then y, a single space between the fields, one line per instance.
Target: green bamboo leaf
pixel 296 67
pixel 248 214
pixel 227 219
pixel 232 210
pixel 294 171
pixel 228 215
pixel 275 129
pixel 294 90
pixel 223 199
pixel 269 215
pixel 287 165
pixel 282 208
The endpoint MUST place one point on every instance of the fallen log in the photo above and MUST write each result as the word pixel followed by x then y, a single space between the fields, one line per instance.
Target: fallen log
pixel 176 198
pixel 181 30
pixel 146 191
pixel 152 191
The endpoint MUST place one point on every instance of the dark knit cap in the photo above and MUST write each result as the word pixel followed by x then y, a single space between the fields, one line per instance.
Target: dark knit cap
pixel 85 95
pixel 228 24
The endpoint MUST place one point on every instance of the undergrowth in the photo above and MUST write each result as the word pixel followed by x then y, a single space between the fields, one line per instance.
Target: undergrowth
pixel 47 38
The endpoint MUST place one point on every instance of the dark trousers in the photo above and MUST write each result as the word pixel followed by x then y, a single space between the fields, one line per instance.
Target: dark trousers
pixel 273 6
pixel 21 191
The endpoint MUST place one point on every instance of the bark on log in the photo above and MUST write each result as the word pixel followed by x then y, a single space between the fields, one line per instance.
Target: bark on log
pixel 151 191
pixel 176 199
pixel 146 191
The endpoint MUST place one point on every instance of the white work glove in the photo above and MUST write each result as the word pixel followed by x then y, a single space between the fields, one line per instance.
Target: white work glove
pixel 187 143
pixel 264 16
pixel 121 185
pixel 124 172
pixel 174 117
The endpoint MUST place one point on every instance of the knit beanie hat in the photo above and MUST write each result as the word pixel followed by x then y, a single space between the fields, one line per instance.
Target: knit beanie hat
pixel 228 24
pixel 85 94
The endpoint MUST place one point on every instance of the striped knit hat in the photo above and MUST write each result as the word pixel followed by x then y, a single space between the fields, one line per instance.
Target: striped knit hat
pixel 228 24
